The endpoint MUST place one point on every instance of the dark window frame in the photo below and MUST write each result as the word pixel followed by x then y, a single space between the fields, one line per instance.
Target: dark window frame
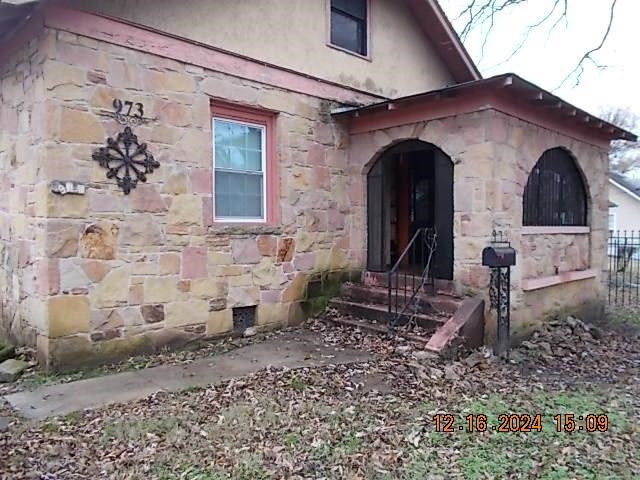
pixel 555 194
pixel 359 14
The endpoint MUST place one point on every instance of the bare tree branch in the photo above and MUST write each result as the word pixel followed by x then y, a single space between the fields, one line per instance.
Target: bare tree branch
pixel 579 68
pixel 624 156
pixel 481 15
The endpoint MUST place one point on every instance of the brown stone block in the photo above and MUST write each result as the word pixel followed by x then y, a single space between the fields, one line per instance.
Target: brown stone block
pixel 113 290
pixel 243 297
pixel 185 210
pixel 207 288
pixel 286 249
pixel 62 238
pixel 80 127
pixel 192 312
pixel 99 241
pixel 160 289
pixel 153 313
pixel 272 313
pixel 169 263
pixel 141 230
pixel 67 206
pixel 296 289
pixel 68 315
pixel 220 322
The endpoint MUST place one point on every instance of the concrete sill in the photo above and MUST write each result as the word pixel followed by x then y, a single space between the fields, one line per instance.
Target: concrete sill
pixel 555 230
pixel 564 277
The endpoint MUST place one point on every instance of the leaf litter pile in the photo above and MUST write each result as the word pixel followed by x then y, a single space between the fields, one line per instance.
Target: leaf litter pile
pixel 371 420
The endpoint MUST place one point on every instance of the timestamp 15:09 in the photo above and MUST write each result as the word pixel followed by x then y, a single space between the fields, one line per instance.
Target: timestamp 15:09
pixel 567 422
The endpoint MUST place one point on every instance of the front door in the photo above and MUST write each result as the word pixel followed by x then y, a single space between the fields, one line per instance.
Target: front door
pixel 421 203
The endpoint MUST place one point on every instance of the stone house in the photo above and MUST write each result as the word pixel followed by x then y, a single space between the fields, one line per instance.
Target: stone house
pixel 172 170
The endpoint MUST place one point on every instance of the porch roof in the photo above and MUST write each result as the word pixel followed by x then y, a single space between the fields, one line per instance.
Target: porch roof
pixel 508 93
pixel 12 14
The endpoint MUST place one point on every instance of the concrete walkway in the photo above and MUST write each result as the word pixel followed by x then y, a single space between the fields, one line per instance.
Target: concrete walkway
pixel 293 350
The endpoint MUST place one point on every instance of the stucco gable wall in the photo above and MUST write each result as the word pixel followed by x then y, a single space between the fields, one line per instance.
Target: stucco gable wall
pixel 627 211
pixel 293 34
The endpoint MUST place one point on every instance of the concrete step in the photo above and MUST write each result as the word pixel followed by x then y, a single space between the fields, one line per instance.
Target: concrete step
pixel 380 313
pixel 430 304
pixel 381 279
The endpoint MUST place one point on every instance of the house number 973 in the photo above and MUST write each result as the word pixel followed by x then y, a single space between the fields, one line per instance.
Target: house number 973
pixel 128 108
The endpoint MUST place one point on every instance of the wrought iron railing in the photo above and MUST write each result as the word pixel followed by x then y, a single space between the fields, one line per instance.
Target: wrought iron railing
pixel 410 275
pixel 624 268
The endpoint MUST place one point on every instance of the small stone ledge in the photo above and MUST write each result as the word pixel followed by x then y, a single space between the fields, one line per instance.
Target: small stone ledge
pixel 245 229
pixel 555 230
pixel 530 284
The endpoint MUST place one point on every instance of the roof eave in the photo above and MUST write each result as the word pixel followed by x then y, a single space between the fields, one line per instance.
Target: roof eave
pixel 519 88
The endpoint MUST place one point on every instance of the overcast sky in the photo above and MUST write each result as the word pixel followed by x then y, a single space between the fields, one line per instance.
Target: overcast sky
pixel 546 58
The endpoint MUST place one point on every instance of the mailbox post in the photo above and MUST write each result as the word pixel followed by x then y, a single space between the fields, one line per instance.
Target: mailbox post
pixel 500 257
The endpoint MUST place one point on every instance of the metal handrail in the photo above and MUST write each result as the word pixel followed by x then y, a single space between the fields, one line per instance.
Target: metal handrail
pixel 421 232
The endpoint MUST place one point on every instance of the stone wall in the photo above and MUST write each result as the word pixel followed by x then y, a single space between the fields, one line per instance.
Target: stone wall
pixel 23 119
pixel 131 273
pixel 546 255
pixel 493 154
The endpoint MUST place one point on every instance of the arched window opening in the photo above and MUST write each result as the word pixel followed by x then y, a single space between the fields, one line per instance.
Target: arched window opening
pixel 555 194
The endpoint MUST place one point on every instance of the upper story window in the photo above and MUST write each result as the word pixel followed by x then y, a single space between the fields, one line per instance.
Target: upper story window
pixel 349 25
pixel 555 194
pixel 243 165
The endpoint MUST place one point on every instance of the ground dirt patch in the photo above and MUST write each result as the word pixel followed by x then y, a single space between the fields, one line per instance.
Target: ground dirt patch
pixel 371 420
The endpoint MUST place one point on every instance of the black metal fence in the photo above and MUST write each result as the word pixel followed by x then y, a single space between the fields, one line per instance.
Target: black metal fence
pixel 624 268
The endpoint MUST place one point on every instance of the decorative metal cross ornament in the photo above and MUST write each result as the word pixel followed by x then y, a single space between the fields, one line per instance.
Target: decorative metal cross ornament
pixel 125 156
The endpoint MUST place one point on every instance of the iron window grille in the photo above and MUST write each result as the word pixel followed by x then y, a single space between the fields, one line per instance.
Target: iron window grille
pixel 349 25
pixel 555 194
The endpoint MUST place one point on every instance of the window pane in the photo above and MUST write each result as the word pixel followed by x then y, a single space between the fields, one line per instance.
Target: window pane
pixel 355 8
pixel 238 151
pixel 223 132
pixel 222 206
pixel 254 138
pixel 239 139
pixel 238 195
pixel 254 161
pixel 223 157
pixel 348 32
pixel 222 182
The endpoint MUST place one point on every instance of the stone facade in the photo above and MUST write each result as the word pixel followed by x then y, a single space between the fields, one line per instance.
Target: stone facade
pixel 493 155
pixel 23 118
pixel 96 276
pixel 103 274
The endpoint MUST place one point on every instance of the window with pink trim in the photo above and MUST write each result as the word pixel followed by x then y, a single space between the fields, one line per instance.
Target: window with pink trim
pixel 243 165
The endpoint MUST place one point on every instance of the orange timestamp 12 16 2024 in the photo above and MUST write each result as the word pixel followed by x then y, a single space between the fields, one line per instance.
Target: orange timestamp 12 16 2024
pixel 514 422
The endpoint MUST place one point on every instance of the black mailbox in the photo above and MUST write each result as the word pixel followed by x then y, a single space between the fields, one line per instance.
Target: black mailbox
pixel 498 257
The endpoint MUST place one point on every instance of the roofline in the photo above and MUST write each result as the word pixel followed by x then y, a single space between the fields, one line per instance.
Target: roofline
pixel 510 82
pixel 444 39
pixel 624 189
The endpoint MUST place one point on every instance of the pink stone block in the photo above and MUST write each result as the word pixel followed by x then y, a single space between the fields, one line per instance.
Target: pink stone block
pixel 245 251
pixel 201 181
pixel 304 261
pixel 194 262
pixel 317 155
pixel 207 211
pixel 48 276
pixel 103 202
pixel 169 263
pixel 336 220
pixel 270 296
pixel 24 253
pixel 146 198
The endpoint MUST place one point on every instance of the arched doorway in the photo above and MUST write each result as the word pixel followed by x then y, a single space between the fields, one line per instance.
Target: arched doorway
pixel 410 186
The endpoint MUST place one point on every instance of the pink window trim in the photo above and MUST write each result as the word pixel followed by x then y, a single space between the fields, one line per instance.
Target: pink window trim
pixel 267 119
